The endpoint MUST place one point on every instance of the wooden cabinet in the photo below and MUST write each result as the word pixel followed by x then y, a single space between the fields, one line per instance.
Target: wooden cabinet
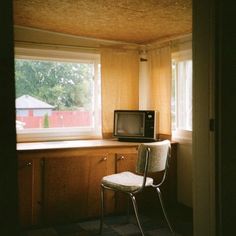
pixel 63 185
pixel 72 186
pixel 99 166
pixel 59 185
pixel 29 194
pixel 124 162
pixel 71 182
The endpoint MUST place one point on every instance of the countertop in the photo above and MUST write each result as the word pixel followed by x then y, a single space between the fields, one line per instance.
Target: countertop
pixel 73 144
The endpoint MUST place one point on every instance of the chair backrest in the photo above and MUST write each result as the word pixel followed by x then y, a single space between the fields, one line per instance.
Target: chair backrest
pixel 158 155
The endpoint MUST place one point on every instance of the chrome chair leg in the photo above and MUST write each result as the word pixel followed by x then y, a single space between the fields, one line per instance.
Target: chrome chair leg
pixel 136 213
pixel 164 210
pixel 101 210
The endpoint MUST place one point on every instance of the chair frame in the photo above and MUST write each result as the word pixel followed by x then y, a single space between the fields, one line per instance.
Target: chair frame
pixel 132 194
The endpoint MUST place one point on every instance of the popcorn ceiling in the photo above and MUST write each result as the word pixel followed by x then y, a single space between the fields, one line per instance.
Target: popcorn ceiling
pixel 133 21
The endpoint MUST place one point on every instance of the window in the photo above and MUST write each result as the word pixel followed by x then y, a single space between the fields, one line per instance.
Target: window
pixel 181 103
pixel 58 95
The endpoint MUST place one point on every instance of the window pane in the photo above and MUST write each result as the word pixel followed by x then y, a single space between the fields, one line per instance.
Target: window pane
pixel 53 94
pixel 182 95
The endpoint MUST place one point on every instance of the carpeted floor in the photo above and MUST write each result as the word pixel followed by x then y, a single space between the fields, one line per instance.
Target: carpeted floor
pixel 181 220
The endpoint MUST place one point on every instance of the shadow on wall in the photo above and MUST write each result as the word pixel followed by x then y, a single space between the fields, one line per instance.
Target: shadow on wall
pixel 184 170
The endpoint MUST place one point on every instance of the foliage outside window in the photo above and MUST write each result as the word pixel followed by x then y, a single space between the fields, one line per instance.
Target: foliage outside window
pixel 57 97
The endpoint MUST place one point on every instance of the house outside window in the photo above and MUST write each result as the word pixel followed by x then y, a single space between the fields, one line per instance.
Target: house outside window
pixel 181 101
pixel 58 95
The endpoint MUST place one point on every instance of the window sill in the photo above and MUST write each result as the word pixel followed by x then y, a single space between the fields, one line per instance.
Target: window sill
pixel 182 136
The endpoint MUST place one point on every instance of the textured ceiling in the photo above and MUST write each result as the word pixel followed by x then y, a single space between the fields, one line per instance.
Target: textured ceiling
pixel 134 21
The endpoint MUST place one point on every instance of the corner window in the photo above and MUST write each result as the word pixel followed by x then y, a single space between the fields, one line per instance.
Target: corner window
pixel 181 101
pixel 57 95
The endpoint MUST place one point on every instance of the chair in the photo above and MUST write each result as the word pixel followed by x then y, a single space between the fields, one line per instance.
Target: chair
pixel 152 157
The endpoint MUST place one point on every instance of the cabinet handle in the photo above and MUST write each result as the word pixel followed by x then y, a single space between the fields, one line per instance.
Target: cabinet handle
pixel 29 163
pixel 104 158
pixel 122 158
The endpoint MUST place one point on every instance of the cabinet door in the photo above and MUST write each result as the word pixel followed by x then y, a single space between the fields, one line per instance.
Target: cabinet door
pixel 29 192
pixel 124 162
pixel 72 186
pixel 100 166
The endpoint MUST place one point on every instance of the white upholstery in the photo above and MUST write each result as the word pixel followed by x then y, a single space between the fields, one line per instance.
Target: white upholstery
pixel 125 181
pixel 158 155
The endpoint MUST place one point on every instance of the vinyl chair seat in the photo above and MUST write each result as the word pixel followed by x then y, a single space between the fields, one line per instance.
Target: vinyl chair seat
pixel 125 181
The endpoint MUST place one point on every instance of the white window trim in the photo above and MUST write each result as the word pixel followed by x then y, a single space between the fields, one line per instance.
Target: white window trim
pixel 182 55
pixel 182 135
pixel 61 133
pixel 55 54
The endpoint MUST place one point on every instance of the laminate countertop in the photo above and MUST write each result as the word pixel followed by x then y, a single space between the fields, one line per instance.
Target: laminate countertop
pixel 75 144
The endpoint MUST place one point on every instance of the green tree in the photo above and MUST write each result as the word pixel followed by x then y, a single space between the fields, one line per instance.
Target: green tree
pixel 66 86
pixel 46 121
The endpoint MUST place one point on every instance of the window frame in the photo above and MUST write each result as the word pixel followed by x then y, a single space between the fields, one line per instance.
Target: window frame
pixel 69 133
pixel 180 133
